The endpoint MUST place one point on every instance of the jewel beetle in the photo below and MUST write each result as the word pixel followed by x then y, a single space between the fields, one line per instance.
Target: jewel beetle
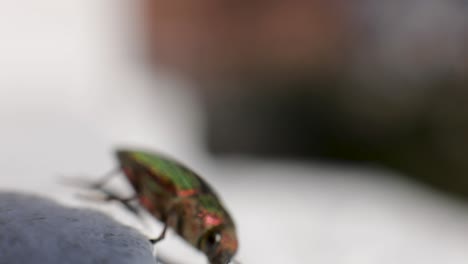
pixel 180 199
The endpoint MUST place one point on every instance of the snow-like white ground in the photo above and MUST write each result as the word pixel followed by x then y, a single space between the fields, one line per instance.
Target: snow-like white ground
pixel 69 94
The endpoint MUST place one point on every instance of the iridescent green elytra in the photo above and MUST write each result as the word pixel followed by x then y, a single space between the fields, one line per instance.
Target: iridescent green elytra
pixel 183 201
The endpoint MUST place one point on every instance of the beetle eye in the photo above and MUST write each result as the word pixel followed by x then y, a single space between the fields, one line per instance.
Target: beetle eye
pixel 212 240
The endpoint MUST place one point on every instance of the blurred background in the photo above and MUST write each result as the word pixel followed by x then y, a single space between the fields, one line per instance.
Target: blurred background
pixel 335 131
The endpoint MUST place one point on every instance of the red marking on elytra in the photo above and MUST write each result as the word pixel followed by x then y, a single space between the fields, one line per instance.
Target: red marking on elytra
pixel 212 220
pixel 186 193
pixel 209 219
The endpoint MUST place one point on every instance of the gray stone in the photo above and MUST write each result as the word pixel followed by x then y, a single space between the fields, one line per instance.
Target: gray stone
pixel 38 230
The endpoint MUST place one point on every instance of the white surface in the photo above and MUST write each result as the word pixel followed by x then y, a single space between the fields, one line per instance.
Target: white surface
pixel 68 97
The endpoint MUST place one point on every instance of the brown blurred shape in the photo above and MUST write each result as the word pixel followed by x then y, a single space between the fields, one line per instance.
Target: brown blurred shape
pixel 383 81
pixel 216 39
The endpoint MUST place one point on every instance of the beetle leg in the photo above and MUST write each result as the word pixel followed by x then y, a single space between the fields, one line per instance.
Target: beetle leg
pixel 132 208
pixel 112 197
pixel 106 178
pixel 108 196
pixel 171 216
pixel 161 236
pixel 126 202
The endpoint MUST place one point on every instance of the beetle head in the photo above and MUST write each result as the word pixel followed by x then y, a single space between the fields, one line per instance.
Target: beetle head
pixel 219 244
